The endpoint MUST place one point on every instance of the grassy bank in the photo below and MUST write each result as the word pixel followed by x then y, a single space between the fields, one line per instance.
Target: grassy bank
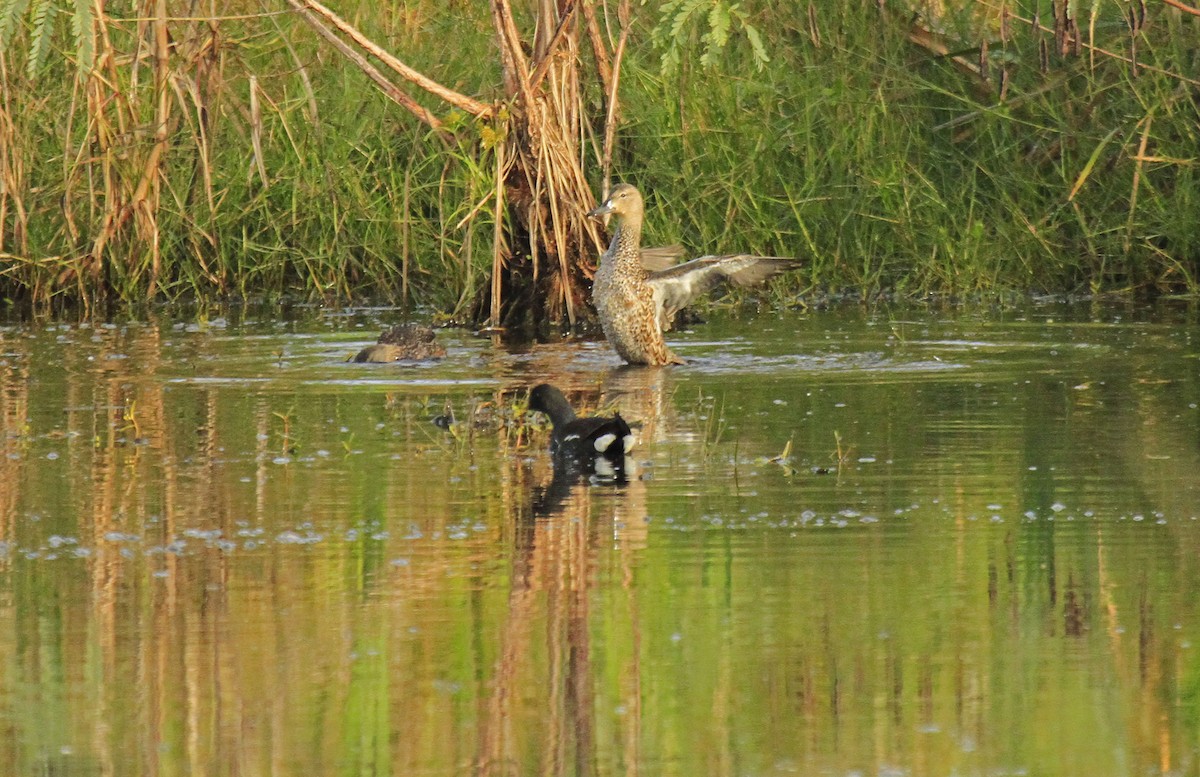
pixel 254 162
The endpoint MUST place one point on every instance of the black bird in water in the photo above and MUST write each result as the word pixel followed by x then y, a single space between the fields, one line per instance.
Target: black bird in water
pixel 595 444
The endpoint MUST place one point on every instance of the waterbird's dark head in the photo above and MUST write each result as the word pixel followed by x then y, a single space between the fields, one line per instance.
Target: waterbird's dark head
pixel 624 201
pixel 547 399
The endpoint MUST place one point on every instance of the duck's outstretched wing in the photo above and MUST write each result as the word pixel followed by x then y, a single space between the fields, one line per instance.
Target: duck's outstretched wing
pixel 661 258
pixel 676 287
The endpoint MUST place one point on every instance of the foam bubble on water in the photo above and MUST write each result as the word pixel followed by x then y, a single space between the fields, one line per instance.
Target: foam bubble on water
pixel 116 536
pixel 295 538
pixel 200 534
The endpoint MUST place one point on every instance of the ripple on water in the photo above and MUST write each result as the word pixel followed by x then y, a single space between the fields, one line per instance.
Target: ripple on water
pixel 973 502
pixel 721 362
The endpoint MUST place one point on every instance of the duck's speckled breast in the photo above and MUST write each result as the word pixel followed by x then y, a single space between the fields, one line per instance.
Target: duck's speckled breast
pixel 627 313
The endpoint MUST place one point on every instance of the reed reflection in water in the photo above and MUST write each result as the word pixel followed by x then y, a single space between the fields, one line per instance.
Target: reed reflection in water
pixel 227 552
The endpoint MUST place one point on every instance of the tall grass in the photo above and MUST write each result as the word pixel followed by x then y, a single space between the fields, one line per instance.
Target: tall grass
pixel 894 167
pixel 202 151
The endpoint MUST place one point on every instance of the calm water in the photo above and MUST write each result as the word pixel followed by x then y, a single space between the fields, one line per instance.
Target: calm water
pixel 862 542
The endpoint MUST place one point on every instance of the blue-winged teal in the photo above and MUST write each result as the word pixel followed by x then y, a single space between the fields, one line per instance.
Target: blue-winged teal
pixel 637 305
pixel 412 342
pixel 583 442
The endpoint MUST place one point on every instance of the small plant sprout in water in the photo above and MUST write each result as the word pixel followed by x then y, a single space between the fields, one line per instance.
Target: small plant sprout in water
pixel 842 454
pixel 129 417
pixel 287 445
pixel 715 423
pixel 521 423
pixel 479 416
pixel 784 459
pixel 459 441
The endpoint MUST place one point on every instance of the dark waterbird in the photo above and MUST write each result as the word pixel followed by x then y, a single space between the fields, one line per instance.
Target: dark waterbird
pixel 636 304
pixel 403 342
pixel 594 443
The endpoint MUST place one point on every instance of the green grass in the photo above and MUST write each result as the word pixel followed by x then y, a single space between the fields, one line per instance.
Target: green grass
pixel 884 166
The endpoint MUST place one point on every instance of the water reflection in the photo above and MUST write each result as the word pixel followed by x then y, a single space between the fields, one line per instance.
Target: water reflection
pixel 224 550
pixel 559 547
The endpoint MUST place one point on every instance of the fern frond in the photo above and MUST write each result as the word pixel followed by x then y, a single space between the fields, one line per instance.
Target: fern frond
pixel 11 12
pixel 670 61
pixel 717 35
pixel 719 20
pixel 682 16
pixel 42 20
pixel 756 46
pixel 82 30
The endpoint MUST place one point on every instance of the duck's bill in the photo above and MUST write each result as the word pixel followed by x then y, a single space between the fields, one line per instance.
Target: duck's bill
pixel 603 210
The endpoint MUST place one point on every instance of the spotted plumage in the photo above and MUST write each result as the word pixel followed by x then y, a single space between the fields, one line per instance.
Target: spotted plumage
pixel 637 303
pixel 403 342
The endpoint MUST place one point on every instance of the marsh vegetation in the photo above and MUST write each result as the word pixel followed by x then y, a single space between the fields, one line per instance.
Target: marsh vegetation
pixel 216 150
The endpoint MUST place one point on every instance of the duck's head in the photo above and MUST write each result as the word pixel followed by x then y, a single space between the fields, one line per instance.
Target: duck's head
pixel 624 201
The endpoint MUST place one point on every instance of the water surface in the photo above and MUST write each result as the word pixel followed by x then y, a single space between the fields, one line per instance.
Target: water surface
pixel 886 541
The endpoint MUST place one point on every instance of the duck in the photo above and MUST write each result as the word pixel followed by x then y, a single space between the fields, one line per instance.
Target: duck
pixel 636 302
pixel 594 443
pixel 403 342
